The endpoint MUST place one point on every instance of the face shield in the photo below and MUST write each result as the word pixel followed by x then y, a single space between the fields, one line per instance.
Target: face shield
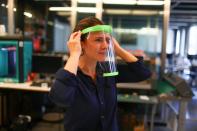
pixel 100 36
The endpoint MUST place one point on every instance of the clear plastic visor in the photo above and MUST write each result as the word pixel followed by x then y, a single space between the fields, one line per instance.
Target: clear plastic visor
pixel 102 39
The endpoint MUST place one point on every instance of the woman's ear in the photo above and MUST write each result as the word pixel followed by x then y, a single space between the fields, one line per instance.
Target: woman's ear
pixel 82 47
pixel 82 44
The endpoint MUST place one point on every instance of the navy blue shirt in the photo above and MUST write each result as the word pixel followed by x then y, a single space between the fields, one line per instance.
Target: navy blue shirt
pixel 91 105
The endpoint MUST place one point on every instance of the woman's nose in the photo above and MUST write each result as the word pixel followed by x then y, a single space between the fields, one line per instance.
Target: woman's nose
pixel 105 44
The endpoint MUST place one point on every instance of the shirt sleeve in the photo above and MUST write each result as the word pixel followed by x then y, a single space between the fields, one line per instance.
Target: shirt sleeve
pixel 63 89
pixel 132 72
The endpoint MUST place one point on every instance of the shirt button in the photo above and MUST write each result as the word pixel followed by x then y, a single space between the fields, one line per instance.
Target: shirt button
pixel 102 116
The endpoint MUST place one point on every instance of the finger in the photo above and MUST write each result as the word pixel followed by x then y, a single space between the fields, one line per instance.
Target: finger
pixel 73 35
pixel 78 35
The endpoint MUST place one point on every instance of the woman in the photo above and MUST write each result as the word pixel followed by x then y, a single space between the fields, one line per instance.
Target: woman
pixel 90 98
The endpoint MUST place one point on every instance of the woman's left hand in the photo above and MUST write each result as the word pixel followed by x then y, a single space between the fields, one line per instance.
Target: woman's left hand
pixel 125 55
pixel 117 46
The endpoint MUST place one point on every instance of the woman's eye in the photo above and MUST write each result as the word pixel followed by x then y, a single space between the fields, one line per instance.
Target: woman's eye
pixel 99 40
pixel 103 40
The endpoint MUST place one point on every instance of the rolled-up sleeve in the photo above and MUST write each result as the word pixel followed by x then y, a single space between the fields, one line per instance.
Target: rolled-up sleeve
pixel 133 72
pixel 64 88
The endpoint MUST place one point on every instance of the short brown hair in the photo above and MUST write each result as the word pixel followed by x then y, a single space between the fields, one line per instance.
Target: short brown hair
pixel 85 23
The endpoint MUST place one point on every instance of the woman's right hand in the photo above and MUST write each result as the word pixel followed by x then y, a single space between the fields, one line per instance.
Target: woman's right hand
pixel 74 43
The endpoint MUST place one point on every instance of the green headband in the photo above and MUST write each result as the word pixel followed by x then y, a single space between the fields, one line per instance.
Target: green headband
pixel 105 28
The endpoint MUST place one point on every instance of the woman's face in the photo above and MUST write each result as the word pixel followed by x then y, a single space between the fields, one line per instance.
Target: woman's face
pixel 95 46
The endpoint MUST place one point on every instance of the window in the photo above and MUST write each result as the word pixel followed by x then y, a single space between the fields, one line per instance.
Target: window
pixel 192 47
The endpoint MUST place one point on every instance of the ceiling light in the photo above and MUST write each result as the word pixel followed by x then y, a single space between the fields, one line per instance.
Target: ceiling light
pixel 121 2
pixel 87 9
pixel 78 9
pixel 88 1
pixel 161 12
pixel 149 2
pixel 134 2
pixel 28 14
pixel 144 12
pixel 3 5
pixel 49 0
pixel 131 12
pixel 117 12
pixel 60 8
